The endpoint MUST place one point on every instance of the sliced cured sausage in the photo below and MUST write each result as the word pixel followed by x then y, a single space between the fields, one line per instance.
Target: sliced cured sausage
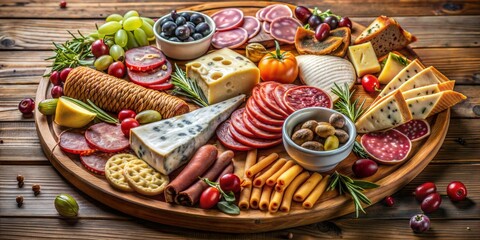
pixel 158 76
pixel 279 93
pixel 252 25
pixel 266 26
pixel 144 59
pixel 248 118
pixel 96 162
pixel 225 137
pixel 259 101
pixel 236 121
pixel 255 111
pixel 284 29
pixel 254 142
pixel 415 129
pixel 278 11
pixel 74 142
pixel 161 87
pixel 230 39
pixel 106 137
pixel 264 11
pixel 266 93
pixel 306 96
pixel 387 147
pixel 259 133
pixel 228 19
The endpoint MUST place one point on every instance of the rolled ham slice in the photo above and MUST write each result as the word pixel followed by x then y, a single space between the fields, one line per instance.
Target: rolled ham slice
pixel 228 19
pixel 284 29
pixel 230 39
pixel 252 25
pixel 278 11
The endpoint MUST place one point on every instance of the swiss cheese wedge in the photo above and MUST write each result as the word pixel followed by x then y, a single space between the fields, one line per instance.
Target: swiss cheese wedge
pixel 429 89
pixel 389 112
pixel 409 71
pixel 426 106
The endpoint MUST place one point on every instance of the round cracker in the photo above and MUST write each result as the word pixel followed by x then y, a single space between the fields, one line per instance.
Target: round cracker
pixel 114 171
pixel 144 179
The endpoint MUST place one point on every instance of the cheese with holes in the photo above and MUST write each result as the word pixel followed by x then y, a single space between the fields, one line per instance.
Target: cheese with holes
pixel 223 74
pixel 364 59
pixel 426 106
pixel 389 112
pixel 429 89
pixel 166 145
pixel 393 65
pixel 413 68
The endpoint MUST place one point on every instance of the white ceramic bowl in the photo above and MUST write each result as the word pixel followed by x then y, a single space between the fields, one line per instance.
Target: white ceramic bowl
pixel 320 161
pixel 184 50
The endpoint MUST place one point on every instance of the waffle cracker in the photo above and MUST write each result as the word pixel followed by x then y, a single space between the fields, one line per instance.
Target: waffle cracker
pixel 114 171
pixel 144 179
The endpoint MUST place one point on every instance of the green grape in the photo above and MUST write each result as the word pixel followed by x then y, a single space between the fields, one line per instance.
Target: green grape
pixel 140 36
pixel 132 23
pixel 131 13
pixel 103 62
pixel 147 29
pixel 114 17
pixel 108 40
pixel 121 38
pixel 148 20
pixel 132 43
pixel 94 35
pixel 109 28
pixel 117 53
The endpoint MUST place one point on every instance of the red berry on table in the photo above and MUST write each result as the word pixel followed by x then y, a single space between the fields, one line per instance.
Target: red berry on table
pixel 422 191
pixel 431 203
pixel 63 4
pixel 128 124
pixel 389 201
pixel 64 74
pixel 26 106
pixel 456 191
pixel 420 223
pixel 57 91
pixel 370 83
pixel 55 78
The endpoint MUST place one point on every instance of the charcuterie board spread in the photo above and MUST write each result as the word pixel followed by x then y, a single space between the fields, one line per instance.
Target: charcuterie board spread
pixel 242 119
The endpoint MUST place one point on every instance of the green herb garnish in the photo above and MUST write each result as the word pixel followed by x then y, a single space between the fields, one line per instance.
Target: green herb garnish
pixel 186 87
pixel 354 188
pixel 399 59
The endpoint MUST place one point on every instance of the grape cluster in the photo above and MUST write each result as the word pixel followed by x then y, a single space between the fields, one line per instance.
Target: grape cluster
pixel 184 27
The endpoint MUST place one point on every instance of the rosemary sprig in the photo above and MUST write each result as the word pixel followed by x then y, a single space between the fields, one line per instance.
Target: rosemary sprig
pixel 354 188
pixel 186 87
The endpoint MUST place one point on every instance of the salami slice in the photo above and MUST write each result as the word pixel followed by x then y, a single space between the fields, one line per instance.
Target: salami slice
pixel 225 137
pixel 278 11
pixel 284 29
pixel 144 59
pixel 230 39
pixel 306 96
pixel 278 94
pixel 252 25
pixel 266 26
pixel 259 101
pixel 415 129
pixel 236 121
pixel 265 11
pixel 161 87
pixel 266 93
pixel 255 111
pixel 259 133
pixel 254 142
pixel 389 147
pixel 96 162
pixel 106 137
pixel 74 142
pixel 258 13
pixel 228 19
pixel 249 118
pixel 158 76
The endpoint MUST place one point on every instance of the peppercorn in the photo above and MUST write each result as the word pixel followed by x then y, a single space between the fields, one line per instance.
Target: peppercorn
pixel 36 189
pixel 19 200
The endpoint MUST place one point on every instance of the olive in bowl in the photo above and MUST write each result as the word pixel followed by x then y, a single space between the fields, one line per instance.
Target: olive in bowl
pixel 318 138
pixel 185 35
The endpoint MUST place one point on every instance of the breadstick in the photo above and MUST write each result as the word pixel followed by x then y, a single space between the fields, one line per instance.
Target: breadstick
pixel 316 193
pixel 273 179
pixel 255 197
pixel 260 180
pixel 244 201
pixel 261 165
pixel 287 197
pixel 306 188
pixel 287 177
pixel 265 198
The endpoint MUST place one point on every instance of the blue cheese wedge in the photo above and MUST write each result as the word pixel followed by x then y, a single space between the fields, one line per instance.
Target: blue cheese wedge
pixel 426 106
pixel 223 74
pixel 429 89
pixel 166 145
pixel 409 71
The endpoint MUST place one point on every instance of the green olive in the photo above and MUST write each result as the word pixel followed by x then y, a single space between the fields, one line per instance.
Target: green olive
pixel 66 205
pixel 148 116
pixel 331 143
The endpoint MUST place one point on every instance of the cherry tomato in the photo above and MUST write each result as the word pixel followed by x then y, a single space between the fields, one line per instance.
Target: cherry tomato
pixel 431 203
pixel 280 66
pixel 124 114
pixel 230 182
pixel 209 198
pixel 370 83
pixel 64 74
pixel 55 78
pixel 424 190
pixel 117 69
pixel 456 191
pixel 128 124
pixel 99 48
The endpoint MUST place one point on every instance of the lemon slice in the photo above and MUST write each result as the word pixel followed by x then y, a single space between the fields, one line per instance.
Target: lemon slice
pixel 69 114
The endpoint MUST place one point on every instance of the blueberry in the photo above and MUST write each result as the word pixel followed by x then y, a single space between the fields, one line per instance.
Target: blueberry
pixel 203 28
pixel 180 21
pixel 185 15
pixel 197 36
pixel 197 18
pixel 182 32
pixel 174 39
pixel 169 28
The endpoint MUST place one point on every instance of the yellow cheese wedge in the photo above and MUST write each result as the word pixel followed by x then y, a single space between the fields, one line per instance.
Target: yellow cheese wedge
pixel 363 59
pixel 389 112
pixel 394 64
pixel 426 77
pixel 429 89
pixel 413 68
pixel 426 106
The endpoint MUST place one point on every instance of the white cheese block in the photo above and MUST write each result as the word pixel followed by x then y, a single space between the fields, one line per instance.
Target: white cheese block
pixel 413 68
pixel 166 145
pixel 223 74
pixel 389 112
pixel 426 106
pixel 429 89
pixel 393 65
pixel 323 71
pixel 364 59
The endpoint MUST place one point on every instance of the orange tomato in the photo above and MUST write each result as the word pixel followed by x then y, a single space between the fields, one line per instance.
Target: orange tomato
pixel 279 66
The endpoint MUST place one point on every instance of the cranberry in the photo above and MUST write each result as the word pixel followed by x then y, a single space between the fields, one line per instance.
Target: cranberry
pixel 64 74
pixel 456 191
pixel 389 201
pixel 55 78
pixel 57 91
pixel 63 4
pixel 26 106
pixel 431 203
pixel 424 190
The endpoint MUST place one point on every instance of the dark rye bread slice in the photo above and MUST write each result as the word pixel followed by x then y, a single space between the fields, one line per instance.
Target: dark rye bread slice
pixel 305 43
pixel 386 35
pixel 346 35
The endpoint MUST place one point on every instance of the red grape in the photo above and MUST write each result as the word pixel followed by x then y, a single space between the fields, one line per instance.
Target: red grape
pixel 55 78
pixel 431 203
pixel 345 22
pixel 64 74
pixel 332 21
pixel 57 91
pixel 322 32
pixel 99 48
pixel 424 190
pixel 303 14
pixel 456 191
pixel 389 201
pixel 26 106
pixel 364 168
pixel 117 69
pixel 314 21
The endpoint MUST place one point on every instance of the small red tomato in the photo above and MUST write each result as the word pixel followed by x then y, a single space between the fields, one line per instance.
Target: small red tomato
pixel 230 182
pixel 117 69
pixel 424 190
pixel 128 124
pixel 370 83
pixel 64 74
pixel 209 198
pixel 57 91
pixel 431 203
pixel 389 201
pixel 124 114
pixel 26 106
pixel 456 191
pixel 63 4
pixel 55 78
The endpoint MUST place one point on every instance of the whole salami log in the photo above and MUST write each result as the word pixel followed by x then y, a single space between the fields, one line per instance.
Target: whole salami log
pixel 200 162
pixel 192 194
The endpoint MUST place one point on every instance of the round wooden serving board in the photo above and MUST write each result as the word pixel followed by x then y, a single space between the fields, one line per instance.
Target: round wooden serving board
pixel 390 178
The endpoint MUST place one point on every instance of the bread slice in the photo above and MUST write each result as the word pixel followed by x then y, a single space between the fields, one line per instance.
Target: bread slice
pixel 429 89
pixel 305 43
pixel 426 106
pixel 386 35
pixel 346 35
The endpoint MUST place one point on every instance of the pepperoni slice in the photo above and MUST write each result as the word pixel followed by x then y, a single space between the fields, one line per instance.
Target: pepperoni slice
pixel 306 96
pixel 230 39
pixel 248 117
pixel 262 105
pixel 278 11
pixel 74 142
pixel 284 29
pixel 266 26
pixel 158 76
pixel 96 162
pixel 236 121
pixel 278 94
pixel 228 19
pixel 260 133
pixel 106 137
pixel 254 142
pixel 144 59
pixel 225 137
pixel 252 25
pixel 255 111
pixel 266 92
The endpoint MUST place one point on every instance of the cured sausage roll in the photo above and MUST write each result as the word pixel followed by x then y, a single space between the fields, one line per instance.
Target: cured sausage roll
pixel 307 187
pixel 273 179
pixel 260 180
pixel 287 177
pixel 287 197
pixel 259 166
pixel 316 193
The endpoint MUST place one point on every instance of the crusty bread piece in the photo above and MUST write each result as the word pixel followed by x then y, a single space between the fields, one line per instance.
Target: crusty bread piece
pixel 305 43
pixel 386 35
pixel 346 35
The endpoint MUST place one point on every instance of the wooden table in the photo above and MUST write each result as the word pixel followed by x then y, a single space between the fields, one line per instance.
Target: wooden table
pixel 449 39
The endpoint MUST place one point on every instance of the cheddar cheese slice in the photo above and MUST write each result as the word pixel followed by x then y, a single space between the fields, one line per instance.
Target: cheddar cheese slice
pixel 426 106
